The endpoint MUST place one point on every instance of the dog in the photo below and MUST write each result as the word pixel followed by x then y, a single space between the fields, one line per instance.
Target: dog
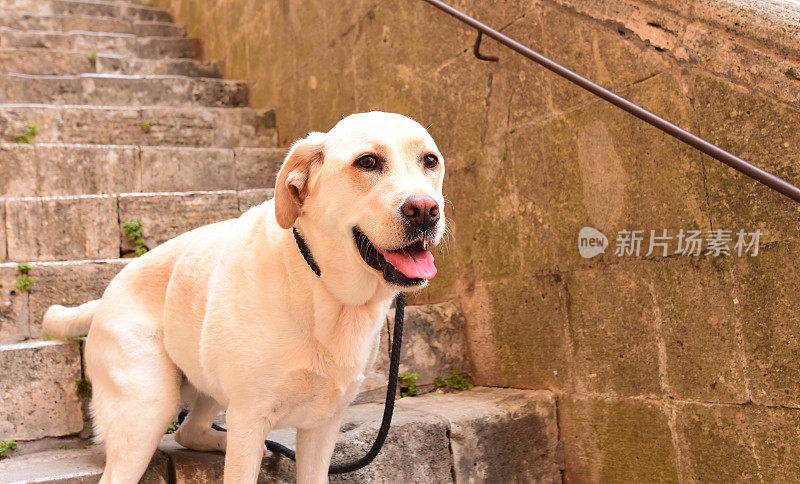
pixel 231 315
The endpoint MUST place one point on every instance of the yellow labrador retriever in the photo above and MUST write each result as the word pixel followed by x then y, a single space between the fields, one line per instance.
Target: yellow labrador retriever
pixel 230 315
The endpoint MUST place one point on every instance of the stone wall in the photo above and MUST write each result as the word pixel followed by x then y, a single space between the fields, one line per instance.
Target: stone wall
pixel 670 368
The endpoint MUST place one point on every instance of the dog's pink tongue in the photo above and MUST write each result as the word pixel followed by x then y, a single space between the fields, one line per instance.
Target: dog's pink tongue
pixel 414 265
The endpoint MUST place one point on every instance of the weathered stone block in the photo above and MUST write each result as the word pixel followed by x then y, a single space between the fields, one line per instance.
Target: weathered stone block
pixel 727 443
pixel 594 178
pixel 58 228
pixel 157 29
pixel 187 169
pixel 698 321
pixel 209 127
pixel 498 435
pixel 25 20
pixel 415 437
pixel 40 40
pixel 434 341
pixel 718 442
pixel 17 164
pixel 614 334
pixel 102 169
pixel 177 67
pixel 182 126
pixel 257 167
pixel 43 62
pixel 768 293
pixel 613 60
pixel 764 132
pixel 775 433
pixel 3 252
pixel 167 215
pixel 160 47
pixel 14 119
pixel 13 307
pixel 74 466
pixel 616 440
pixel 103 90
pixel 68 284
pixel 37 390
pixel 516 330
pixel 122 44
pixel 127 12
pixel 94 125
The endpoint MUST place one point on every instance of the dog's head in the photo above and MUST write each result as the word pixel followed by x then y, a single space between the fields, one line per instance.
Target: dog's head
pixel 370 189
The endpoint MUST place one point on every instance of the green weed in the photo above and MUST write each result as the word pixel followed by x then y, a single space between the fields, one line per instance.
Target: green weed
pixel 83 388
pixel 455 382
pixel 5 446
pixel 174 427
pixel 408 384
pixel 134 230
pixel 25 137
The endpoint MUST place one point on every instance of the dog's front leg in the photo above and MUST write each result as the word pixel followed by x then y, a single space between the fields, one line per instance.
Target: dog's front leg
pixel 314 449
pixel 247 429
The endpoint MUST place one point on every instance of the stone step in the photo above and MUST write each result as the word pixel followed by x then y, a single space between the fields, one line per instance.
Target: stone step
pixel 122 90
pixel 117 10
pixel 69 283
pixel 434 346
pixel 38 387
pixel 46 62
pixel 72 283
pixel 480 435
pixel 170 126
pixel 65 23
pixel 157 29
pixel 92 44
pixel 46 169
pixel 90 226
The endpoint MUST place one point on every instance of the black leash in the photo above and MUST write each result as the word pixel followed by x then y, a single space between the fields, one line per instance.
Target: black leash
pixel 391 386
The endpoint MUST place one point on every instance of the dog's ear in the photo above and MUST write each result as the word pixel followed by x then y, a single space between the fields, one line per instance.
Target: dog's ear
pixel 291 187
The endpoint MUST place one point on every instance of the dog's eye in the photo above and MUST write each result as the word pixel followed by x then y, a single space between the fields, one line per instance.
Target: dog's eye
pixel 430 161
pixel 367 162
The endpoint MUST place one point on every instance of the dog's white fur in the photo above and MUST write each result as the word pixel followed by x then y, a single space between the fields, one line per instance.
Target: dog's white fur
pixel 230 315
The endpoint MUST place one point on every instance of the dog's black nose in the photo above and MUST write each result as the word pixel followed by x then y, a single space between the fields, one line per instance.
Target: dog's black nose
pixel 421 211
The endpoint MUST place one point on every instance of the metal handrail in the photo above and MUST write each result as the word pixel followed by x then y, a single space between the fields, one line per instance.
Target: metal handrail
pixel 761 176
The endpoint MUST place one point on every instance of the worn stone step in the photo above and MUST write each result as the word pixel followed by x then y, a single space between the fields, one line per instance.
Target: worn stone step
pixel 93 8
pixel 45 169
pixel 434 346
pixel 90 226
pixel 481 435
pixel 122 90
pixel 69 283
pixel 47 62
pixel 65 23
pixel 93 43
pixel 74 282
pixel 158 29
pixel 170 126
pixel 38 390
pixel 22 20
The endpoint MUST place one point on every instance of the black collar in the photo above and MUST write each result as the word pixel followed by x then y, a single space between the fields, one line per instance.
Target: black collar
pixel 301 244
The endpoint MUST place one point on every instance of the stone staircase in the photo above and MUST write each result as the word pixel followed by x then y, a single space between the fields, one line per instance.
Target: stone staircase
pixel 130 126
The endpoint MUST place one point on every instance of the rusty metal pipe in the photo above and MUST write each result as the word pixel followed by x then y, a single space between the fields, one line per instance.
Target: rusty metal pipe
pixel 763 177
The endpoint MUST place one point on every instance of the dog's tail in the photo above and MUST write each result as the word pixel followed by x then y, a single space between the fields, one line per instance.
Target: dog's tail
pixel 62 322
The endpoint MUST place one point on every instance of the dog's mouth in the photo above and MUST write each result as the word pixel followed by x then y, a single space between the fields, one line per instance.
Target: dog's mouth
pixel 411 265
